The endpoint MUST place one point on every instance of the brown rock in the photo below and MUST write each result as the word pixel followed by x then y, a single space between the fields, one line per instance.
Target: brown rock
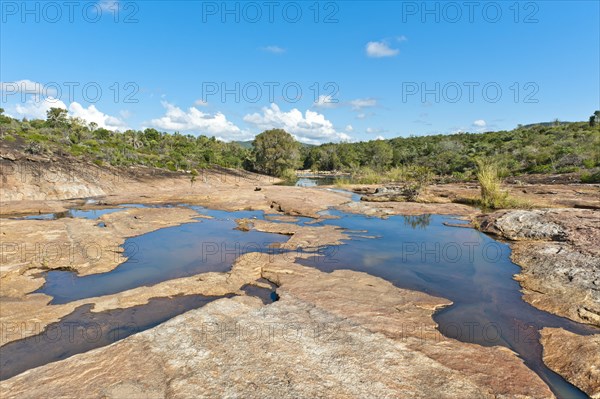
pixel 575 357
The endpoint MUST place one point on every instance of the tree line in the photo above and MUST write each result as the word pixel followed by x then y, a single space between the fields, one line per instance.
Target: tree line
pixel 541 148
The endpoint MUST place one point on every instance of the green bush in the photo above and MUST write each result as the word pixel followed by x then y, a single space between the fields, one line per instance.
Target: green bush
pixel 591 177
pixel 288 175
pixel 488 176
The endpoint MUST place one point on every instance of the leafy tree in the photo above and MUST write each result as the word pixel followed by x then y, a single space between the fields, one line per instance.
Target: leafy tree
pixel 56 117
pixel 380 154
pixel 275 151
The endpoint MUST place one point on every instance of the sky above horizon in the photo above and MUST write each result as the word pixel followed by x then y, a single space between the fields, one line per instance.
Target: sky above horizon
pixel 323 71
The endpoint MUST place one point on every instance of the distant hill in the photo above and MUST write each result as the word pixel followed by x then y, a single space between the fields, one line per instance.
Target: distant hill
pixel 558 123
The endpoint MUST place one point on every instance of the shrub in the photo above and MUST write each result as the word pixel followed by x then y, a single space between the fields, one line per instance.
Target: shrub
pixel 492 196
pixel 288 175
pixel 591 177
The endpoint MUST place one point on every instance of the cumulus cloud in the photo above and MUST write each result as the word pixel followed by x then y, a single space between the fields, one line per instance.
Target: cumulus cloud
pixel 479 123
pixel 194 120
pixel 201 103
pixel 380 137
pixel 93 114
pixel 310 127
pixel 380 49
pixel 27 87
pixel 36 108
pixel 349 128
pixel 274 49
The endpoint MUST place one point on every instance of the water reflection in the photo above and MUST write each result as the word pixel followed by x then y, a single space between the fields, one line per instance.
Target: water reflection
pixel 469 268
pixel 418 221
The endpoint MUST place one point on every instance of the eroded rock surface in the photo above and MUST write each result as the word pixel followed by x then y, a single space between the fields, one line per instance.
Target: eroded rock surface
pixel 344 334
pixel 559 254
pixel 26 314
pixel 575 357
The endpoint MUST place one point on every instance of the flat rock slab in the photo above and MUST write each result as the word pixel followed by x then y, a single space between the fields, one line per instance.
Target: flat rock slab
pixel 330 335
pixel 575 357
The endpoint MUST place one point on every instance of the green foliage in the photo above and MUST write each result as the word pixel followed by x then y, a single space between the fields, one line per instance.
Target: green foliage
pixel 276 151
pixel 56 117
pixel 488 176
pixel 591 177
pixel 288 175
pixel 542 148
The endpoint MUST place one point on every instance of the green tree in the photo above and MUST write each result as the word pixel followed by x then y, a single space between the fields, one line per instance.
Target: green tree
pixel 275 151
pixel 56 117
pixel 380 154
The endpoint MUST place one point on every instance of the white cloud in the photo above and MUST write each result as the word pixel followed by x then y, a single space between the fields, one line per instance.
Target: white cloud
pixel 36 107
pixel 326 102
pixel 380 49
pixel 479 123
pixel 193 120
pixel 109 5
pixel 379 138
pixel 311 128
pixel 201 103
pixel 349 128
pixel 401 38
pixel 361 103
pixel 92 114
pixel 274 49
pixel 371 130
pixel 27 87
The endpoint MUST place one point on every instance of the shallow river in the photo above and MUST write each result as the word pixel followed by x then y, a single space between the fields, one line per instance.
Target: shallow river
pixel 417 252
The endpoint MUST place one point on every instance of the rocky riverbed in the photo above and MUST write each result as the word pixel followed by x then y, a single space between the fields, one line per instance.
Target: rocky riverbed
pixel 373 350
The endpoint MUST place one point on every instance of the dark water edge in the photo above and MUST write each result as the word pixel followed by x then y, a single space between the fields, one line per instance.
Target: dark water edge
pixel 84 330
pixel 210 245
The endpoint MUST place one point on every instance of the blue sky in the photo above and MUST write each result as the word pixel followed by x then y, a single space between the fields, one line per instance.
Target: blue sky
pixel 327 71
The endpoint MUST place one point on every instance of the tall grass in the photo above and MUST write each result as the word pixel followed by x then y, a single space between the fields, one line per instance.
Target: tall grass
pixel 492 195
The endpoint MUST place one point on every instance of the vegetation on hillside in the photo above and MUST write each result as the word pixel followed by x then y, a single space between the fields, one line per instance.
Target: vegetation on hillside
pixel 542 148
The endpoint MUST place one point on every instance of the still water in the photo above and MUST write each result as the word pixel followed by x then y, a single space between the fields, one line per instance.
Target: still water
pixel 414 252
